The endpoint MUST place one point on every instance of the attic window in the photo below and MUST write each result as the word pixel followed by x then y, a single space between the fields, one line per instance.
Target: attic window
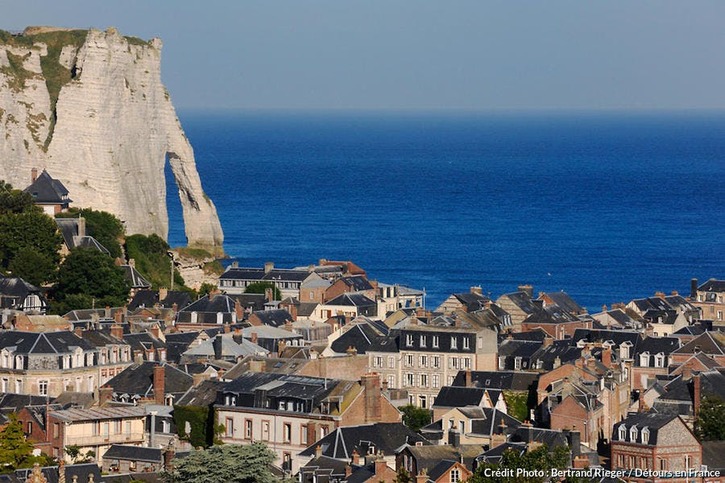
pixel 622 432
pixel 645 435
pixel 633 434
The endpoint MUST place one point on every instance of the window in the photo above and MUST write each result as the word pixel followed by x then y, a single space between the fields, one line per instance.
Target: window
pixel 663 464
pixel 436 380
pixel 436 362
pixel 391 361
pixel 633 434
pixel 287 432
pixel 423 401
pixel 436 341
pixel 4 385
pixel 117 426
pixel 423 361
pixel 165 426
pixel 466 363
pixel 454 342
pixel 409 379
pixel 688 461
pixel 645 435
pixel 303 434
pixel 378 361
pixel 56 430
pixel 409 340
pixel 30 427
pixel 265 430
pixel 501 363
pixel 622 432
pixel 248 429
pixel 424 380
pixel 466 343
pixel 43 387
pixel 391 381
pixel 229 428
pixel 517 363
pixel 423 341
pixel 455 475
pixel 409 360
pixel 644 359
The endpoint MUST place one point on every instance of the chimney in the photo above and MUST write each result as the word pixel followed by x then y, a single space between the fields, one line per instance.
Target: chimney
pixel 268 267
pixel 454 437
pixel 422 477
pixel 105 394
pixel 660 295
pixel 380 466
pixel 355 457
pixel 78 331
pixel 548 341
pixel 385 386
pixel 528 289
pixel 238 309
pixel 675 292
pixel 478 290
pixel 281 345
pixel 693 288
pixel 132 263
pixel 217 344
pixel 469 379
pixel 253 337
pixel 33 175
pixel 61 469
pixel 318 451
pixel 155 331
pixel 169 455
pixel 107 312
pixel 117 317
pixel 373 405
pixel 607 357
pixel 117 331
pixel 269 295
pixel 198 378
pixel 138 356
pixel 159 383
pixel 696 394
pixel 163 293
pixel 81 226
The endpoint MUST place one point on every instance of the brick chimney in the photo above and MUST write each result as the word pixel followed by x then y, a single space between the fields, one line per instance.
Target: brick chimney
pixel 355 457
pixel 696 394
pixel 268 267
pixel 138 356
pixel 159 383
pixel 469 378
pixel 169 455
pixel 117 317
pixel 78 331
pixel 607 357
pixel 253 337
pixel 478 290
pixel 548 341
pixel 61 469
pixel 33 175
pixel 422 477
pixel 660 295
pixel 105 394
pixel 528 289
pixel 380 466
pixel 163 293
pixel 373 403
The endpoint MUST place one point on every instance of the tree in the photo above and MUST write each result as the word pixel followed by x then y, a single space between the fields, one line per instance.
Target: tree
pixel 206 288
pixel 709 423
pixel 101 225
pixel 151 254
pixel 74 451
pixel 14 201
pixel 29 231
pixel 33 267
pixel 539 459
pixel 415 417
pixel 261 287
pixel 87 275
pixel 231 463
pixel 15 450
pixel 403 476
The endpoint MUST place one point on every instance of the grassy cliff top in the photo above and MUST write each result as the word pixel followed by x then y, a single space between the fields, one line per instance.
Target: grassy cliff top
pixel 53 35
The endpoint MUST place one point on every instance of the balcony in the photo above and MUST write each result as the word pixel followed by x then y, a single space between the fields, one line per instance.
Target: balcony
pixel 104 439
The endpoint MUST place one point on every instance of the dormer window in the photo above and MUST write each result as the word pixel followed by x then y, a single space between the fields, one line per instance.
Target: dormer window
pixel 633 434
pixel 644 359
pixel 624 350
pixel 660 360
pixel 645 435
pixel 423 341
pixel 409 340
pixel 466 343
pixel 436 341
pixel 622 432
pixel 454 342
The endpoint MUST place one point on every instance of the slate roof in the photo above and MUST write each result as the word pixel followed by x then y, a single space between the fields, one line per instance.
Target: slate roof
pixel 651 303
pixel 255 301
pixel 16 287
pixel 142 341
pixel 712 285
pixel 351 299
pixel 138 379
pixel 563 300
pixel 46 189
pixel 274 318
pixel 651 420
pixel 551 314
pixel 385 437
pixel 518 348
pixel 599 335
pixel 536 335
pixel 360 336
pixel 268 332
pixel 522 300
pixel 218 303
pixel 81 471
pixel 472 301
pixel 111 412
pixel 430 455
pixel 43 342
pixel 10 402
pixel 455 396
pixel 560 350
pixel 230 347
pixel 713 455
pixel 134 453
pixel 656 345
pixel 439 470
pixel 134 277
pixel 490 422
pixel 357 283
pixel 324 469
pixel 203 395
pixel 551 438
pixel 258 274
pixel 494 454
pixel 313 389
pixel 503 380
pixel 709 343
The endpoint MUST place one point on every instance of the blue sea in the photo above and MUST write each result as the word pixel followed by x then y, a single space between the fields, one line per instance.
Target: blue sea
pixel 607 206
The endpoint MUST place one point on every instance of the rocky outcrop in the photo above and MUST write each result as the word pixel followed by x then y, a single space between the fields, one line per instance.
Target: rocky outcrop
pixel 89 107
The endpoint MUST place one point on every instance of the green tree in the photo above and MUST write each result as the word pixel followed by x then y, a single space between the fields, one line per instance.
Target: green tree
pixel 206 288
pixel 261 287
pixel 230 463
pixel 15 451
pixel 539 459
pixel 415 417
pixel 14 201
pixel 403 476
pixel 709 423
pixel 87 275
pixel 151 254
pixel 101 225
pixel 30 231
pixel 33 267
pixel 75 453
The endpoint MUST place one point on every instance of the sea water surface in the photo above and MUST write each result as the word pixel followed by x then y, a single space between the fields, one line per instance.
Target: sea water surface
pixel 607 206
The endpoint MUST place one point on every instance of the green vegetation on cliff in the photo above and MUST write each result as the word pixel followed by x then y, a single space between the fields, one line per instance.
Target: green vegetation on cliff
pixel 151 254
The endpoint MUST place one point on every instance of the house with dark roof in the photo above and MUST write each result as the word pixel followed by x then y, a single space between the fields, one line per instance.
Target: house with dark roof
pixel 17 294
pixel 271 318
pixel 74 235
pixel 126 458
pixel 48 193
pixel 350 284
pixel 562 300
pixel 470 301
pixel 656 442
pixel 210 309
pixel 683 395
pixel 617 318
pixel 358 335
pixel 651 358
pixel 463 425
pixel 169 299
pixel 555 321
pixel 350 305
pixel 235 279
pixel 710 299
pixel 77 473
pixel 291 412
pixel 148 382
pixel 709 343
pixel 46 363
pixel 223 347
pixel 372 468
pixel 196 418
pixel 422 460
pixel 519 354
pixel 519 305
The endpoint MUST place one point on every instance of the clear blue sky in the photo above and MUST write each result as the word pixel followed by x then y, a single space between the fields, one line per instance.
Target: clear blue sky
pixel 417 54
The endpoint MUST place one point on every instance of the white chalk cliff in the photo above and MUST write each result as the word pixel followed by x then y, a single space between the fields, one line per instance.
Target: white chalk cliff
pixel 89 107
